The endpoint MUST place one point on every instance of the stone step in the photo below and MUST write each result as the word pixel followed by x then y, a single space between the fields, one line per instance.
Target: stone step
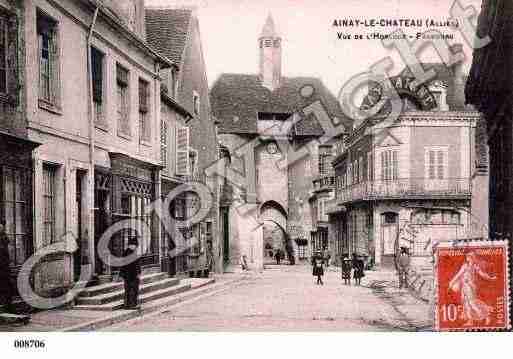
pixel 120 293
pixel 115 286
pixel 145 298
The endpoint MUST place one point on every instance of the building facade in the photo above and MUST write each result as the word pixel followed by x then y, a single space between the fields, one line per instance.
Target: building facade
pixel 188 136
pixel 409 183
pixel 16 165
pixel 264 122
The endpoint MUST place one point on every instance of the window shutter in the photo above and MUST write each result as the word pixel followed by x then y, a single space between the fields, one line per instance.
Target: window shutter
pixel 12 59
pixel 182 151
pixel 383 164
pixel 97 75
pixel 55 68
pixel 163 144
pixel 395 165
pixel 441 165
pixel 431 164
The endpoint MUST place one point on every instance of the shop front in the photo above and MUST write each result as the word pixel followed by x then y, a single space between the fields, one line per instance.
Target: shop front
pixel 125 191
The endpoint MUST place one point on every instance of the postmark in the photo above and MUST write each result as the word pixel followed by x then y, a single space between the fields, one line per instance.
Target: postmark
pixel 472 286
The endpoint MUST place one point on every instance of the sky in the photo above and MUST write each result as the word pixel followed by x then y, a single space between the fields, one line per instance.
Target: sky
pixel 230 29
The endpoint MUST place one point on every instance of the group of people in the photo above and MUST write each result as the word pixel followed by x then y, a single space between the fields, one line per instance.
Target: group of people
pixel 355 265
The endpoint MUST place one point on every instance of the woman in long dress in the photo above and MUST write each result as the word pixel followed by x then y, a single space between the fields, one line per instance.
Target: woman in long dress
pixel 464 282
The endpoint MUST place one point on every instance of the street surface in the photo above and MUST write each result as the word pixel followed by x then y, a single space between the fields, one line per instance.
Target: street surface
pixel 286 298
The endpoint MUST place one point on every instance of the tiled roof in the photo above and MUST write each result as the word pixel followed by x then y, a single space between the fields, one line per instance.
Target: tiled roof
pixel 166 31
pixel 237 99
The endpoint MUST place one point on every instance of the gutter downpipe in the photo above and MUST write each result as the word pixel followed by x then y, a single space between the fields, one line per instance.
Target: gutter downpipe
pixel 91 138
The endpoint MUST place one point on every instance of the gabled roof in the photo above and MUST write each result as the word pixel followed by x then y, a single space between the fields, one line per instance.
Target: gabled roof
pixel 167 30
pixel 236 100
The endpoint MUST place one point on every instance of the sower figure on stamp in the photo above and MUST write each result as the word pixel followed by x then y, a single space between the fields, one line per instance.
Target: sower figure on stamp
pixel 346 269
pixel 465 281
pixel 403 266
pixel 318 267
pixel 130 273
pixel 6 286
pixel 358 267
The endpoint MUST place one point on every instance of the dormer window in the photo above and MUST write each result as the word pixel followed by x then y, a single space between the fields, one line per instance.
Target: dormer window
pixel 439 91
pixel 277 43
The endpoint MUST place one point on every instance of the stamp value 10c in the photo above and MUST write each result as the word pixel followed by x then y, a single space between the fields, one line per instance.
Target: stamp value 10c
pixel 472 286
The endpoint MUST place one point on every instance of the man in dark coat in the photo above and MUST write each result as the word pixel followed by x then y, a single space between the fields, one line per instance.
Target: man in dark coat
pixel 403 266
pixel 278 256
pixel 130 273
pixel 6 286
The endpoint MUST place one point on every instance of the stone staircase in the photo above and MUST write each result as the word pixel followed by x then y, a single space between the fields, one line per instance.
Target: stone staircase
pixel 110 296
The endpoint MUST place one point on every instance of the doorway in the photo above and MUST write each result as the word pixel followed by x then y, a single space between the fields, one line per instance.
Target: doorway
pixel 78 258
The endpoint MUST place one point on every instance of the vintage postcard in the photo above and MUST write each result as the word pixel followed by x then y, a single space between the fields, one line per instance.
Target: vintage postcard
pixel 255 166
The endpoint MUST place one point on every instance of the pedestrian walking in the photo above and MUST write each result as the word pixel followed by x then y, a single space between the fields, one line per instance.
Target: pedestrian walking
pixel 244 262
pixel 403 266
pixel 6 287
pixel 130 273
pixel 346 269
pixel 277 256
pixel 358 269
pixel 318 267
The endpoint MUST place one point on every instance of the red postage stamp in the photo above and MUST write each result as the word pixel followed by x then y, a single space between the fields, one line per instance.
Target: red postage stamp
pixel 472 286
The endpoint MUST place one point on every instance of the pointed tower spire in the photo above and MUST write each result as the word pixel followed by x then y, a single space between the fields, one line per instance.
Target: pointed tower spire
pixel 269 29
pixel 270 55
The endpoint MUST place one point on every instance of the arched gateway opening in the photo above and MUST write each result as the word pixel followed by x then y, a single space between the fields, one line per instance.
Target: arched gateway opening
pixel 275 238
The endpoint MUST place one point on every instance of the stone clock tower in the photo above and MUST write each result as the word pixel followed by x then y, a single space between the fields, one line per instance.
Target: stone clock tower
pixel 270 55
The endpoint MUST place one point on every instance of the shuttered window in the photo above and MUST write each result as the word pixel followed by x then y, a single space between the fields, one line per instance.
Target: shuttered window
pixel 182 151
pixel 48 44
pixel 97 79
pixel 389 165
pixel 163 145
pixel 436 163
pixel 122 87
pixel 144 121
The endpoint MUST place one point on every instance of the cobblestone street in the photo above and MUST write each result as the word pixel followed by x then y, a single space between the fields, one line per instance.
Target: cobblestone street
pixel 286 298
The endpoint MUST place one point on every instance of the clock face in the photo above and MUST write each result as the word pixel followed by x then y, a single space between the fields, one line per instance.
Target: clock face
pixel 272 148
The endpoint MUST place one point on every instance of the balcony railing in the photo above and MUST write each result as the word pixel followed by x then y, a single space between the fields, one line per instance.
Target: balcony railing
pixel 324 182
pixel 405 188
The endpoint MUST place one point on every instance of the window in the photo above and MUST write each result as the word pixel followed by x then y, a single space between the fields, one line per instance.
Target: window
pixel 389 166
pixel 302 252
pixel 436 162
pixel 48 60
pixel 3 53
pixel 144 121
pixel 15 192
pixel 436 216
pixel 196 103
pixel 182 151
pixel 48 204
pixel 325 167
pixel 122 87
pixel 134 206
pixel 97 79
pixel 163 144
